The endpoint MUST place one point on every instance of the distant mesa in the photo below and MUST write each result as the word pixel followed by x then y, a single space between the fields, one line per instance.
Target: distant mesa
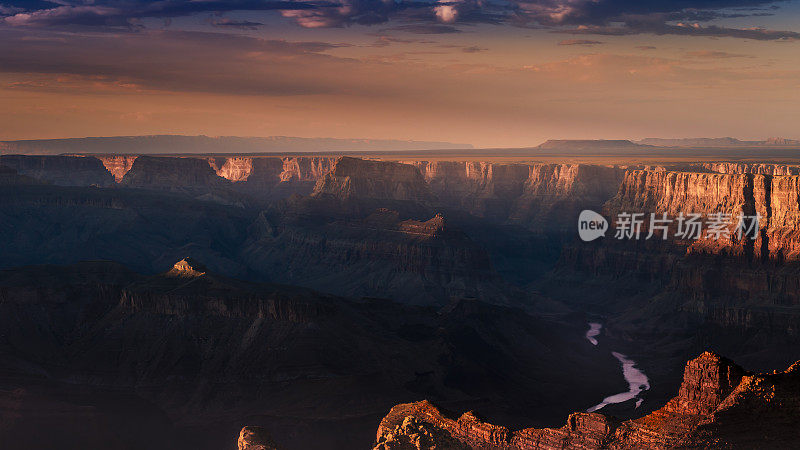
pixel 187 268
pixel 588 144
pixel 719 142
pixel 177 144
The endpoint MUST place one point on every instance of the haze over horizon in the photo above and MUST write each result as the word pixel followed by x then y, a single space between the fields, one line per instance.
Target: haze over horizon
pixel 494 74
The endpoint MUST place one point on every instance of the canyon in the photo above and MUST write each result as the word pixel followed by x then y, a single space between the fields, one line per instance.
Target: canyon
pixel 306 295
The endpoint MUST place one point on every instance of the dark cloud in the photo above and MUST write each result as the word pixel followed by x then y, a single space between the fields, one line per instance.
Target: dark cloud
pixel 185 62
pixel 579 42
pixel 225 22
pixel 474 49
pixel 687 29
pixel 715 54
pixel 600 17
pixel 427 29
pixel 128 13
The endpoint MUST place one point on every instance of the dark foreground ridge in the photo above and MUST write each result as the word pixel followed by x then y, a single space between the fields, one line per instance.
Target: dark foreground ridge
pixel 719 405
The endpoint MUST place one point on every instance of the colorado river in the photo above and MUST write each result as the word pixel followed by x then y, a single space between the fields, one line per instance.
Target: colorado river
pixel 637 380
pixel 594 330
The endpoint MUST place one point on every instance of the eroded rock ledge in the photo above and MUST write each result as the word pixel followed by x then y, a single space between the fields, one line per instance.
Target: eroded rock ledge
pixel 719 405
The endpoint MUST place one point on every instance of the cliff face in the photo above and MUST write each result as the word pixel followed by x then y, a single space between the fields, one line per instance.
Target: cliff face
pixel 234 169
pixel 761 169
pixel 774 198
pixel 272 177
pixel 172 174
pixel 117 165
pixel 61 170
pixel 352 178
pixel 554 194
pixel 541 197
pixel 718 405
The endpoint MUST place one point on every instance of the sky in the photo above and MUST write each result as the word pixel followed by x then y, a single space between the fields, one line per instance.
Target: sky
pixel 507 73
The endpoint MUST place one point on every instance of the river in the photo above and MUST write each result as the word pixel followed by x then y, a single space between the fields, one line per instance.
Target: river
pixel 637 380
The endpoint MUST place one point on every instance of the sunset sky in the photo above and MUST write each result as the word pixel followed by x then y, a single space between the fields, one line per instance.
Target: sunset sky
pixel 489 73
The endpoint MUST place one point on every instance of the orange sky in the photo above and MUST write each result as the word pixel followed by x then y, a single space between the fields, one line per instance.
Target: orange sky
pixel 489 85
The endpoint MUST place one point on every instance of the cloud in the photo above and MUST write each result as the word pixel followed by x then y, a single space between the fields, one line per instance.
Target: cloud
pixel 579 42
pixel 173 61
pixel 713 54
pixel 427 29
pixel 128 14
pixel 224 22
pixel 598 17
pixel 645 47
pixel 686 29
pixel 474 49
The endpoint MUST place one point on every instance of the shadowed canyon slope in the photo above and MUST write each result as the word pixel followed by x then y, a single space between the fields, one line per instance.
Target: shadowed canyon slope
pixel 188 355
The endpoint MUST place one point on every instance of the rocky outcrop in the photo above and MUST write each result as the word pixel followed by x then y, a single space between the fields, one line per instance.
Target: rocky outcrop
pixel 60 170
pixel 719 405
pixel 422 425
pixel 187 268
pixel 255 438
pixel 117 165
pixel 353 178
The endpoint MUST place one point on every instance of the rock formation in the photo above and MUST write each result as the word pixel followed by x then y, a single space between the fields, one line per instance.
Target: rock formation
pixel 719 405
pixel 118 165
pixel 255 438
pixel 187 268
pixel 351 178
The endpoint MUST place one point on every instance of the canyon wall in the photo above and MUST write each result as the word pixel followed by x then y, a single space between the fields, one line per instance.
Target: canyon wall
pixel 358 178
pixel 540 197
pixel 60 170
pixel 776 199
pixel 171 174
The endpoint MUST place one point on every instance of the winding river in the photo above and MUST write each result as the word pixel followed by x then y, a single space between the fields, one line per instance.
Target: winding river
pixel 637 380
